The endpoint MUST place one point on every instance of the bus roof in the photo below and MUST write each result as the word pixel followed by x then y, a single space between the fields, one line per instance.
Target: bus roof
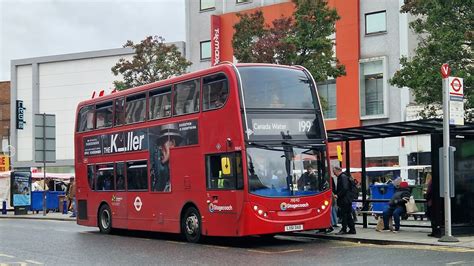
pixel 176 79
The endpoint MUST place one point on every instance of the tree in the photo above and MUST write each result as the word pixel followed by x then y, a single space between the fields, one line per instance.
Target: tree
pixel 445 36
pixel 299 40
pixel 153 60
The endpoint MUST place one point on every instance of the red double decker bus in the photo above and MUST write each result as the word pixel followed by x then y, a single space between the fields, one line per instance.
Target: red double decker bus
pixel 233 150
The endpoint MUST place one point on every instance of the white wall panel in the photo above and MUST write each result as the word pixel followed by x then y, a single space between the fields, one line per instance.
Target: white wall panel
pixel 24 90
pixel 63 85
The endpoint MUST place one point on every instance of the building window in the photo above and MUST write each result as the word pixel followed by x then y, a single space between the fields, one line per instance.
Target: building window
pixel 327 91
pixel 375 22
pixel 206 50
pixel 372 88
pixel 207 4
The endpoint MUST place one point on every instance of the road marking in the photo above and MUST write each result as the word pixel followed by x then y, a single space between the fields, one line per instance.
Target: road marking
pixel 458 262
pixel 7 256
pixel 176 242
pixel 34 262
pixel 274 252
pixel 417 247
pixel 212 246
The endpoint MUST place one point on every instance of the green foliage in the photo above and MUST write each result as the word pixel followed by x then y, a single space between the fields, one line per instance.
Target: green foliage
pixel 153 61
pixel 446 31
pixel 299 40
pixel 303 39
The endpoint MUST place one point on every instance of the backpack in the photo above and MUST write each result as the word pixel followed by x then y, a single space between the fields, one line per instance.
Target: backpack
pixel 353 190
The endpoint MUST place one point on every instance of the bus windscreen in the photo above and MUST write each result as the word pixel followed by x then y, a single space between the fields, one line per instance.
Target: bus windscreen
pixel 276 88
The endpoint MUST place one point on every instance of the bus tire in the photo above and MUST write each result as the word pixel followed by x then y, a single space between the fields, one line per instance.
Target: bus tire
pixel 191 225
pixel 105 219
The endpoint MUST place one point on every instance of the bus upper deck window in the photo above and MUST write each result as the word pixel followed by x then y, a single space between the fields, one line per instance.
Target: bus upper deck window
pixel 160 103
pixel 135 108
pixel 119 117
pixel 104 115
pixel 215 91
pixel 186 97
pixel 85 119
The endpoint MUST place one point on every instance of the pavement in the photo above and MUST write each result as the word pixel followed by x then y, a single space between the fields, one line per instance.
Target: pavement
pixel 406 235
pixel 55 216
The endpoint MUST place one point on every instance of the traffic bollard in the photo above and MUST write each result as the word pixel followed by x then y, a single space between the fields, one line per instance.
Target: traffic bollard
pixel 65 207
pixel 4 207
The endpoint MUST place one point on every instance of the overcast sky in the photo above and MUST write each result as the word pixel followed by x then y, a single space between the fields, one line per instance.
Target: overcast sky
pixel 49 27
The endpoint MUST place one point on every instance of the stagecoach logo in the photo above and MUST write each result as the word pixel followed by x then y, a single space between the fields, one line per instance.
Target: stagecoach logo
pixel 219 208
pixel 285 206
pixel 116 200
pixel 137 203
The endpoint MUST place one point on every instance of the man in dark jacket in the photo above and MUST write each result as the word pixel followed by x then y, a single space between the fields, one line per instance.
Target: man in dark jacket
pixel 396 207
pixel 344 201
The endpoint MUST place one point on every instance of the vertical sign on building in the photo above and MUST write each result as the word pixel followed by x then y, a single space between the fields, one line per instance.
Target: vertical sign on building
pixel 215 39
pixel 20 114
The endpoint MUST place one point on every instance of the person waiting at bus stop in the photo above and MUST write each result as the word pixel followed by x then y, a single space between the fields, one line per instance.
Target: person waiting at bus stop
pixel 344 201
pixel 396 207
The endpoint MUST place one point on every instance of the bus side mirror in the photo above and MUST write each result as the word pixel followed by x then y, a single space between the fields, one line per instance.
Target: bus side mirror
pixel 225 165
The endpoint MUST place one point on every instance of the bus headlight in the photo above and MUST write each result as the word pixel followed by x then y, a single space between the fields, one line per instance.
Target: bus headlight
pixel 326 202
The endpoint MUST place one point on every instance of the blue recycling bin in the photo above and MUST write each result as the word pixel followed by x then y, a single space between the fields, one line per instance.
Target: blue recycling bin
pixel 37 200
pixel 384 191
pixel 52 200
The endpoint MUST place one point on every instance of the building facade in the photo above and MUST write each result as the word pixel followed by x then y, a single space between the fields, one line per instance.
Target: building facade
pixel 55 85
pixel 4 116
pixel 370 38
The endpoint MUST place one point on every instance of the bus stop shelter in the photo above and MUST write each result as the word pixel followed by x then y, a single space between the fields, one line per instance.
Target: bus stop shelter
pixel 462 138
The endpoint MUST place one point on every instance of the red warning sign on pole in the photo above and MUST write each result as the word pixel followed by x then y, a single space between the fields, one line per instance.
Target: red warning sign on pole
pixel 445 70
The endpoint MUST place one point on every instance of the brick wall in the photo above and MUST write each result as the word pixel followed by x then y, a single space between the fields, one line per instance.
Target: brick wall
pixel 4 109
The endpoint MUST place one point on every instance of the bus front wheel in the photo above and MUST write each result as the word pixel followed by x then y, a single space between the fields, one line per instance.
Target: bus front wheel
pixel 191 225
pixel 105 219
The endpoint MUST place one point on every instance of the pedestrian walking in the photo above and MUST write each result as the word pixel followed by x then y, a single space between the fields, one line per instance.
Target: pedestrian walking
pixel 344 201
pixel 71 195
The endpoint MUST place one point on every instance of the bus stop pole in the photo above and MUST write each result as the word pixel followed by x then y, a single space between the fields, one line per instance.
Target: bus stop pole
pixel 364 183
pixel 446 169
pixel 44 165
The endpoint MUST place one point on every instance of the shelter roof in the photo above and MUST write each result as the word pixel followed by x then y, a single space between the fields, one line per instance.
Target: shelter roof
pixel 388 130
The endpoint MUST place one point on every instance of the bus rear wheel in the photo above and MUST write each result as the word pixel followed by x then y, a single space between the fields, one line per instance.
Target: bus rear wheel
pixel 191 225
pixel 105 219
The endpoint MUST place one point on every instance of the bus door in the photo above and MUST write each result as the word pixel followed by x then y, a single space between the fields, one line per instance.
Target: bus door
pixel 139 202
pixel 119 198
pixel 224 180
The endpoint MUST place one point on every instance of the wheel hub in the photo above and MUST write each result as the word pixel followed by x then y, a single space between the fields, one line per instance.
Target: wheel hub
pixel 105 219
pixel 192 224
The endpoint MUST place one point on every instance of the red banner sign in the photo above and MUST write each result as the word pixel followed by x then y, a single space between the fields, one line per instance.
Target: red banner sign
pixel 215 39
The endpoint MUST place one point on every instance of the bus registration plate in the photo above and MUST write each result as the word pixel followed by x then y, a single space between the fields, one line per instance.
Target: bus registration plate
pixel 295 227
